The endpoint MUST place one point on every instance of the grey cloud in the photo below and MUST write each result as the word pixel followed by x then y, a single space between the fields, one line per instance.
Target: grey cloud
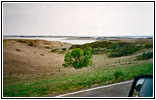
pixel 78 18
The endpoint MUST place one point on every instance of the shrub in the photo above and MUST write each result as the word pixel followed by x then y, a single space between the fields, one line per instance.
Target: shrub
pixel 55 50
pixel 116 49
pixel 96 44
pixel 18 50
pixel 21 41
pixel 63 49
pixel 93 50
pixel 124 50
pixel 149 46
pixel 147 55
pixel 138 87
pixel 75 46
pixel 78 58
pixel 118 74
pixel 42 54
pixel 47 47
pixel 31 43
pixel 115 45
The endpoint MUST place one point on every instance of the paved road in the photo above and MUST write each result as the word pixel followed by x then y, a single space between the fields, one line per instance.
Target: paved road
pixel 114 90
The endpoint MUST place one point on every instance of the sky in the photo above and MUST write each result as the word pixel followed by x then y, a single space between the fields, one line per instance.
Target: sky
pixel 79 18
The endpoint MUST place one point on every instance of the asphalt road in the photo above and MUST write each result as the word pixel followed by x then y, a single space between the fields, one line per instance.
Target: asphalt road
pixel 114 90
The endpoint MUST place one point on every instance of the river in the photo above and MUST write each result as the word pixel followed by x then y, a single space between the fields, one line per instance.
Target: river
pixel 54 39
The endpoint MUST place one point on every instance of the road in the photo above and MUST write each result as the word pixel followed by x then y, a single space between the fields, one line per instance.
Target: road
pixel 114 90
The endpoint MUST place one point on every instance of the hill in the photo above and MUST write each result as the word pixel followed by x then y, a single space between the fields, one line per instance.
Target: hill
pixel 21 58
pixel 34 67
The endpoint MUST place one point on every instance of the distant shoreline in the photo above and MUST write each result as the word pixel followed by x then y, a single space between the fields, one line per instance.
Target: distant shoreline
pixel 81 37
pixel 63 40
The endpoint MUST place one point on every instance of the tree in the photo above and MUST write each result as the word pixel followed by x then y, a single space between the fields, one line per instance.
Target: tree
pixel 138 87
pixel 78 58
pixel 115 45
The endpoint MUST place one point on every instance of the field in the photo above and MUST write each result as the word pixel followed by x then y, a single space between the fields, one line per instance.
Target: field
pixel 34 67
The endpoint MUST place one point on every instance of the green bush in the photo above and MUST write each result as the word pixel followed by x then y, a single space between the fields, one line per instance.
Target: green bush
pixel 147 55
pixel 138 87
pixel 96 44
pixel 63 49
pixel 118 74
pixel 115 45
pixel 149 46
pixel 114 49
pixel 124 50
pixel 78 58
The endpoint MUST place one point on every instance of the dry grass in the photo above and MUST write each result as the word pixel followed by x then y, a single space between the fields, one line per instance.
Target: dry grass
pixel 32 60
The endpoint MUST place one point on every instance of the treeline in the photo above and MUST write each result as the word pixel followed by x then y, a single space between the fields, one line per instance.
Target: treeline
pixel 146 55
pixel 124 50
pixel 96 44
pixel 113 48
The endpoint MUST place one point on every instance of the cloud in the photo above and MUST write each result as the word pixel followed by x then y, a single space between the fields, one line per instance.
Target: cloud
pixel 78 18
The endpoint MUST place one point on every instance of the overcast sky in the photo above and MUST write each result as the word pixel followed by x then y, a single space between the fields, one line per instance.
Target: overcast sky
pixel 79 19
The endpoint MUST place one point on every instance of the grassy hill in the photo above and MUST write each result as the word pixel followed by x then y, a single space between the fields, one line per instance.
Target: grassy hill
pixel 34 67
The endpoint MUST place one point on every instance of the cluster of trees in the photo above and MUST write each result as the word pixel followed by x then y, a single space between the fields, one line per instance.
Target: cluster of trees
pixel 96 44
pixel 78 58
pixel 146 55
pixel 120 49
pixel 149 46
pixel 115 48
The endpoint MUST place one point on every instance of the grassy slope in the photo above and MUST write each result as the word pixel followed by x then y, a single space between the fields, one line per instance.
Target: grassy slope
pixel 44 87
pixel 42 78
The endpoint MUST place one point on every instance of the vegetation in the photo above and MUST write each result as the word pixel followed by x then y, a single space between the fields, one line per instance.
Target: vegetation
pixel 124 50
pixel 18 50
pixel 78 58
pixel 47 47
pixel 118 74
pixel 138 87
pixel 146 55
pixel 113 49
pixel 21 41
pixel 55 50
pixel 43 86
pixel 96 44
pixel 63 49
pixel 31 43
pixel 55 80
pixel 149 45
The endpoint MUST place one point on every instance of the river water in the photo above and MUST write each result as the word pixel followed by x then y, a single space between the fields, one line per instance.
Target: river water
pixel 54 39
